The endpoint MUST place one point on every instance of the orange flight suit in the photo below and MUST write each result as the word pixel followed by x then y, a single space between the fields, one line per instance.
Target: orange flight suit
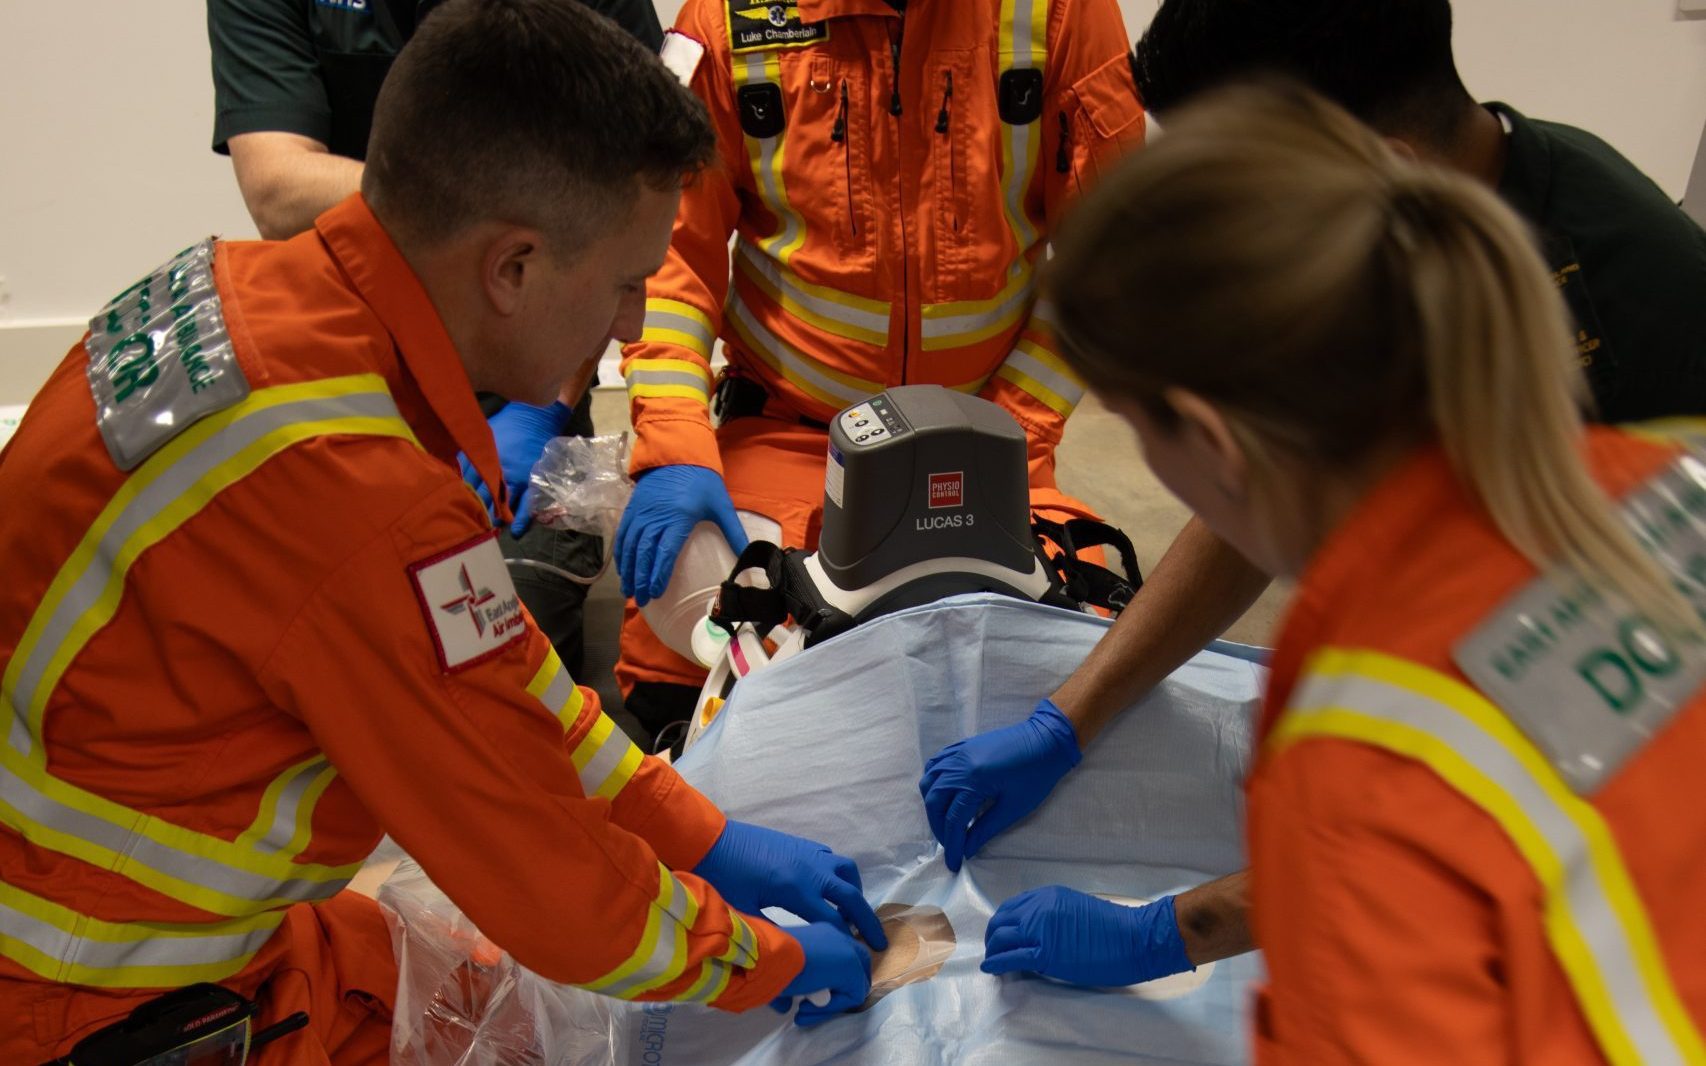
pixel 1427 886
pixel 284 631
pixel 891 178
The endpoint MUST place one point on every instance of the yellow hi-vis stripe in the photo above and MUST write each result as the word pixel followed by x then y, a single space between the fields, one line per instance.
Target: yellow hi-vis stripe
pixel 713 979
pixel 224 877
pixel 827 386
pixel 677 378
pixel 1593 916
pixel 285 820
pixel 661 954
pixel 556 691
pixel 1044 375
pixel 1022 44
pixel 840 314
pixel 165 492
pixel 767 157
pixel 59 944
pixel 1677 429
pixel 967 322
pixel 604 758
pixel 678 323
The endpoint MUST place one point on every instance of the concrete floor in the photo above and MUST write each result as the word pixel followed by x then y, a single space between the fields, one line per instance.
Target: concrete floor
pixel 1098 462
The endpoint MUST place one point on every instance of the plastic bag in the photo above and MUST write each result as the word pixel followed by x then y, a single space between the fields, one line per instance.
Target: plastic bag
pixel 582 484
pixel 463 1001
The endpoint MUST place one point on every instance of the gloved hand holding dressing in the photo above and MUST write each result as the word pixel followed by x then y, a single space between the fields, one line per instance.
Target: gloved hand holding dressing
pixel 1070 936
pixel 997 778
pixel 668 501
pixel 836 963
pixel 521 431
pixel 754 868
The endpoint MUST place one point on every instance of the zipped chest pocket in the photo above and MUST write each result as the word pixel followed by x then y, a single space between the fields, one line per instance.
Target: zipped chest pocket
pixel 846 158
pixel 963 183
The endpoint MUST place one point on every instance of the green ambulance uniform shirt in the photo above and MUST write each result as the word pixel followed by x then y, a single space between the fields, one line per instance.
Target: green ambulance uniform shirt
pixel 1629 263
pixel 314 67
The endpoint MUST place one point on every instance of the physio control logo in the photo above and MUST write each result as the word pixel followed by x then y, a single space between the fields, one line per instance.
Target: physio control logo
pixel 947 490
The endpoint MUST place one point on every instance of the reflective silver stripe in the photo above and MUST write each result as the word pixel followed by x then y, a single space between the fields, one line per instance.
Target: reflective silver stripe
pixel 1018 180
pixel 793 363
pixel 668 958
pixel 151 949
pixel 743 943
pixel 692 327
pixel 1585 894
pixel 1011 307
pixel 132 848
pixel 667 377
pixel 751 70
pixel 558 692
pixel 713 978
pixel 1032 367
pixel 604 761
pixel 791 287
pixel 285 816
pixel 1023 141
pixel 167 489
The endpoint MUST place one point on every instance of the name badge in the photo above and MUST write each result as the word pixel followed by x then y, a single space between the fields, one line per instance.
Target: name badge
pixel 1577 668
pixel 160 359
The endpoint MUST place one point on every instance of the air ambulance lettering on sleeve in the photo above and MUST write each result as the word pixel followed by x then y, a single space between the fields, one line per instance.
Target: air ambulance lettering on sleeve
pixel 757 27
pixel 160 359
pixel 1584 675
pixel 470 604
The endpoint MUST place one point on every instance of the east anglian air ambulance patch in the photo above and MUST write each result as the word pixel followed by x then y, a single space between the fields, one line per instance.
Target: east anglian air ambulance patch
pixel 757 27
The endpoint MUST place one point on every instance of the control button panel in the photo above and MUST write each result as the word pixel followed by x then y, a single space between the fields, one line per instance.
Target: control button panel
pixel 872 422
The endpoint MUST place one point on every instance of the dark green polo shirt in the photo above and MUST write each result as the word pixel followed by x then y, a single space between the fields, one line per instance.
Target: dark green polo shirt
pixel 314 67
pixel 1630 264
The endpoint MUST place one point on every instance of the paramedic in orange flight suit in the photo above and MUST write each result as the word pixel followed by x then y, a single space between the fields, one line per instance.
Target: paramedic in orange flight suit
pixel 892 175
pixel 253 617
pixel 1471 833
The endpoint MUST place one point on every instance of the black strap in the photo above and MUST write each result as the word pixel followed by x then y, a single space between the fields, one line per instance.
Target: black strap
pixel 738 397
pixel 791 595
pixel 1081 580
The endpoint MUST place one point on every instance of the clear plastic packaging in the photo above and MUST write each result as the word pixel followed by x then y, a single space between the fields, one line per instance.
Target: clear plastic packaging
pixel 463 1001
pixel 583 484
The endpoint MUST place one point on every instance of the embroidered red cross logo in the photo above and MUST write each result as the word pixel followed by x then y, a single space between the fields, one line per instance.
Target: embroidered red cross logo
pixel 469 600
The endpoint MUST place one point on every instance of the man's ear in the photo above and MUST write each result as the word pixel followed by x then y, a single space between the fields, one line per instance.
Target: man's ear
pixel 513 257
pixel 1209 434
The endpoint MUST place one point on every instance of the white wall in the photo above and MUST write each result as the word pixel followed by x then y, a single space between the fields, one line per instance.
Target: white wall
pixel 105 168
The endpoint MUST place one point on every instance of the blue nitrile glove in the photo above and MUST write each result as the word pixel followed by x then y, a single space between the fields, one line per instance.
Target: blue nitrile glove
pixel 835 963
pixel 521 431
pixel 996 777
pixel 1071 936
pixel 668 501
pixel 753 868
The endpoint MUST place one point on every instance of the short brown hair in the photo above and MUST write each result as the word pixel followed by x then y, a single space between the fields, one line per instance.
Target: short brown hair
pixel 538 112
pixel 1334 300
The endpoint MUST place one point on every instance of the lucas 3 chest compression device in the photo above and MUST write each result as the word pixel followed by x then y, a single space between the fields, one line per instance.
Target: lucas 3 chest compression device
pixel 926 495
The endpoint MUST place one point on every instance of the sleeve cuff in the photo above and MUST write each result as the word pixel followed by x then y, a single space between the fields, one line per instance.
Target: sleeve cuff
pixel 271 119
pixel 671 441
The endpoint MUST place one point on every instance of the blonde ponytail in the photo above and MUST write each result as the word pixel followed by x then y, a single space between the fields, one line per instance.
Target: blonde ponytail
pixel 1271 255
pixel 1505 390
